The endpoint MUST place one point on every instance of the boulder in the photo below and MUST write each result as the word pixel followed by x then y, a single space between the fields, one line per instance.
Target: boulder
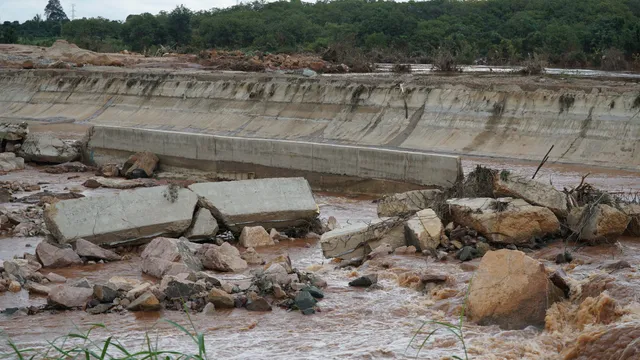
pixel 92 251
pixel 221 258
pixel 140 165
pixel 424 230
pixel 159 268
pixel 408 203
pixel 280 203
pixel 633 211
pixel 204 226
pixel 10 162
pixel 21 269
pixel 172 250
pixel 504 220
pixel 146 302
pixel 66 296
pixel 220 299
pixel 127 216
pixel 255 236
pixel 511 290
pixel 52 256
pixel 305 301
pixel 175 288
pixel 531 191
pixel 47 148
pixel 13 131
pixel 598 223
pixel 252 257
pixel 355 240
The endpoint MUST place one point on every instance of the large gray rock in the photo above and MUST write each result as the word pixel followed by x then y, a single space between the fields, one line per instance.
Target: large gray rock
pixel 92 251
pixel 47 148
pixel 204 226
pixel 598 223
pixel 357 239
pixel 504 220
pixel 176 288
pixel 53 257
pixel 408 202
pixel 221 258
pixel 532 191
pixel 165 256
pixel 9 162
pixel 424 230
pixel 271 203
pixel 66 296
pixel 127 216
pixel 13 131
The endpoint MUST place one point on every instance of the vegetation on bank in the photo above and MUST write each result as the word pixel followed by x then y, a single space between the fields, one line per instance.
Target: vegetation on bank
pixel 588 33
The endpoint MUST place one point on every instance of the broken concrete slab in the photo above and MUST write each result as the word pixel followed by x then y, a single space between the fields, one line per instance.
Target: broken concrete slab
pixel 47 148
pixel 424 230
pixel 92 251
pixel 504 220
pixel 409 202
pixel 204 226
pixel 128 216
pixel 597 223
pixel 279 203
pixel 10 162
pixel 358 239
pixel 532 191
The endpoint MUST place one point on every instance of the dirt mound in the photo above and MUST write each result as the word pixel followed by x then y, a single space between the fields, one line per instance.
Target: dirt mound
pixel 240 61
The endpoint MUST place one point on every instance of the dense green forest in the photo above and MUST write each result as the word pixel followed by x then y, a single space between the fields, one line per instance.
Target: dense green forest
pixel 566 32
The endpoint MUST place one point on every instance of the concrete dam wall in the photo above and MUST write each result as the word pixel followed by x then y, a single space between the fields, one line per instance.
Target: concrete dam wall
pixel 589 121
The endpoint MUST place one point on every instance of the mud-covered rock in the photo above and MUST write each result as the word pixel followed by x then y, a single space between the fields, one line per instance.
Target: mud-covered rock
pixel 408 203
pixel 504 220
pixel 51 256
pixel 424 230
pixel 221 258
pixel 255 236
pixel 597 223
pixel 92 251
pixel 511 290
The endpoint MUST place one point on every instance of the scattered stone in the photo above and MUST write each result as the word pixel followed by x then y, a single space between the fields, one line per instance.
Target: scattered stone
pixel 209 280
pixel 633 211
pixel 504 220
pixel 482 248
pixel 120 283
pixel 468 267
pixel 565 257
pixel 252 257
pixel 467 253
pixel 615 265
pixel 209 309
pixel 36 288
pixel 21 269
pixel 408 203
pixel 318 282
pixel 304 301
pixel 532 191
pixel 124 302
pixel 104 293
pixel 433 278
pixel 364 281
pixel 159 268
pixel 55 278
pixel 137 291
pixel 149 213
pixel 14 131
pixel 53 257
pixel 220 299
pixel 283 260
pixel 278 202
pixel 66 296
pixel 165 256
pixel 424 230
pixel 146 302
pixel 89 250
pixel 145 161
pixel 381 250
pixel 314 291
pixel 175 288
pixel 599 223
pixel 68 167
pixel 99 309
pixel 14 286
pixel 108 170
pixel 278 292
pixel 46 148
pixel 228 287
pixel 498 294
pixel 221 258
pixel 10 162
pixel 559 279
pixel 83 283
pixel 204 226
pixel 258 304
pixel 255 236
pixel 332 224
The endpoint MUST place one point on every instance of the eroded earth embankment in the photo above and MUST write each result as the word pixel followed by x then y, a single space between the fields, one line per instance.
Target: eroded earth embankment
pixel 588 121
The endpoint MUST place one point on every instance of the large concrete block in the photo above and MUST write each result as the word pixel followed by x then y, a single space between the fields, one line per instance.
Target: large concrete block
pixel 127 216
pixel 271 203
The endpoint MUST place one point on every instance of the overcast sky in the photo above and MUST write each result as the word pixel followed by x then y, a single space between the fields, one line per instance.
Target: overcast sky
pixel 22 10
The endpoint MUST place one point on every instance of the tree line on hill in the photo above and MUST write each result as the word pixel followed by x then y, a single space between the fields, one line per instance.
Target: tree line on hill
pixel 569 33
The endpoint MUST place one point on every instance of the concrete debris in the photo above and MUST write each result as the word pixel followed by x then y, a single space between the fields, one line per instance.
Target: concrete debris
pixel 504 220
pixel 51 256
pixel 146 302
pixel 358 239
pixel 140 165
pixel 134 215
pixel 221 258
pixel 92 251
pixel 531 191
pixel 255 236
pixel 597 223
pixel 498 297
pixel 408 203
pixel 66 296
pixel 204 226
pixel 47 148
pixel 13 131
pixel 10 162
pixel 279 203
pixel 424 230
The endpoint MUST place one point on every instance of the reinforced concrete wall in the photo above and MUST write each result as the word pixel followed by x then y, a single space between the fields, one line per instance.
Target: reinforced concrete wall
pixel 216 153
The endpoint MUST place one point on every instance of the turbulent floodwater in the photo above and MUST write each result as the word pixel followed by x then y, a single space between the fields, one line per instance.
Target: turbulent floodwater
pixel 353 323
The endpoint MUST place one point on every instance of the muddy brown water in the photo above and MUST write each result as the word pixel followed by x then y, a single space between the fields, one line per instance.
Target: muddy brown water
pixel 353 323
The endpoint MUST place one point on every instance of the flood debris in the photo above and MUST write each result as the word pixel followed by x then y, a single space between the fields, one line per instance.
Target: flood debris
pixel 357 240
pixel 534 192
pixel 598 222
pixel 140 165
pixel 408 203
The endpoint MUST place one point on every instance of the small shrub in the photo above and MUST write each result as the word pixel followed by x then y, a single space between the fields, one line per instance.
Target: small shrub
pixel 613 60
pixel 534 66
pixel 445 61
pixel 402 68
